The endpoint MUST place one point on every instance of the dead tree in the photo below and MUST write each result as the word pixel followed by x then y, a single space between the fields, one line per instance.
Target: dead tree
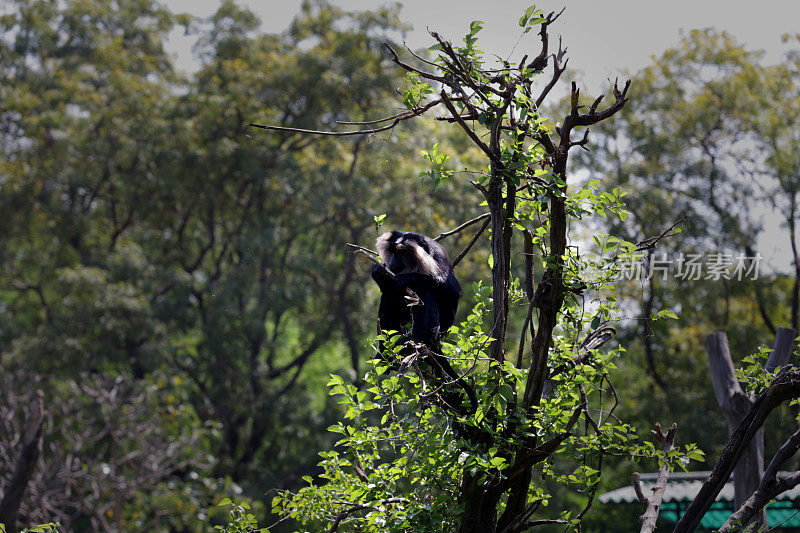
pixel 735 404
pixel 772 484
pixel 784 387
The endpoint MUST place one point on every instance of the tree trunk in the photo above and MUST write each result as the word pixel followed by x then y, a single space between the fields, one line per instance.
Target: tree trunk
pixel 24 467
pixel 500 264
pixel 480 510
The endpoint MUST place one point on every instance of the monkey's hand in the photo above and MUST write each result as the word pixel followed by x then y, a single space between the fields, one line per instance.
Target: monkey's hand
pixel 382 276
pixel 412 300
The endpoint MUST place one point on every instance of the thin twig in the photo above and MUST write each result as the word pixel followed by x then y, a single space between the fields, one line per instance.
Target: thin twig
pixel 406 66
pixel 368 122
pixel 650 243
pixel 327 133
pixel 396 119
pixel 466 224
pixel 473 241
pixel 371 254
pixel 422 59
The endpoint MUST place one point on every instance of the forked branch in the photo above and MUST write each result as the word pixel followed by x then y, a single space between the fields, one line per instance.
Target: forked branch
pixel 653 502
pixel 540 62
pixel 772 484
pixel 576 118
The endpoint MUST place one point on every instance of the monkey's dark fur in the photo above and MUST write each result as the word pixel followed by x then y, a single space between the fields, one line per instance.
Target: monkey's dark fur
pixel 418 263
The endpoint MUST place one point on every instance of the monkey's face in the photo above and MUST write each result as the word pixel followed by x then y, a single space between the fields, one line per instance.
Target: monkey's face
pixel 396 247
pixel 407 252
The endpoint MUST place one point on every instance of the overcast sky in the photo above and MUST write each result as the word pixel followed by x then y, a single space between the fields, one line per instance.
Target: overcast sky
pixel 604 37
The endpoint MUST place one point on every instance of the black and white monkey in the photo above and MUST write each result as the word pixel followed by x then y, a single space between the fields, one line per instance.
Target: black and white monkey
pixel 418 263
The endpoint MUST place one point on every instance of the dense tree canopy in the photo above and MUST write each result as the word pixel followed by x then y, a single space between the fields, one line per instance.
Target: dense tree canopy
pixel 145 230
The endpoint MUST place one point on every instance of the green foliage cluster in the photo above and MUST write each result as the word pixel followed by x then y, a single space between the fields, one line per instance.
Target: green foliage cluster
pixel 240 518
pixel 400 463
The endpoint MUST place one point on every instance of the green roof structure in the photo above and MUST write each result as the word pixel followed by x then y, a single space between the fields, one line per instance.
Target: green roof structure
pixel 783 514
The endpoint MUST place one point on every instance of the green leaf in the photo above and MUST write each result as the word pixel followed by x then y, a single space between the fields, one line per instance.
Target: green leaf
pixel 475 26
pixel 666 313
pixel 523 20
pixel 499 403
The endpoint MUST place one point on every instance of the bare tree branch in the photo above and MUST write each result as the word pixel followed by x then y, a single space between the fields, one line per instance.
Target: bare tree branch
pixel 468 247
pixel 540 62
pixel 460 228
pixel 395 120
pixel 636 481
pixel 651 242
pixel 405 66
pixel 772 484
pixel 575 118
pixel 369 254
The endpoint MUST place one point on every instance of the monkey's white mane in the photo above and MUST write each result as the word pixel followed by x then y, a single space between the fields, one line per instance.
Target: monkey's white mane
pixel 383 247
pixel 428 264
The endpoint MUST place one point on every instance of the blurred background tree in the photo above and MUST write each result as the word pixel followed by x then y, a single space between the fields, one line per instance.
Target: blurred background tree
pixel 145 232
pixel 707 135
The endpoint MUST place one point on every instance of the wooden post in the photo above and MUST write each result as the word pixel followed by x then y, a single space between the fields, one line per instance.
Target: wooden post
pixel 783 348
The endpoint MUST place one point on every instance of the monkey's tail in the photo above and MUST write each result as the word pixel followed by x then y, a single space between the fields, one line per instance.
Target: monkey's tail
pixel 473 398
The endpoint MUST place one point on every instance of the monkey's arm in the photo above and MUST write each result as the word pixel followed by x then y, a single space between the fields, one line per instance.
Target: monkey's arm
pixel 384 278
pixel 407 284
pixel 415 281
